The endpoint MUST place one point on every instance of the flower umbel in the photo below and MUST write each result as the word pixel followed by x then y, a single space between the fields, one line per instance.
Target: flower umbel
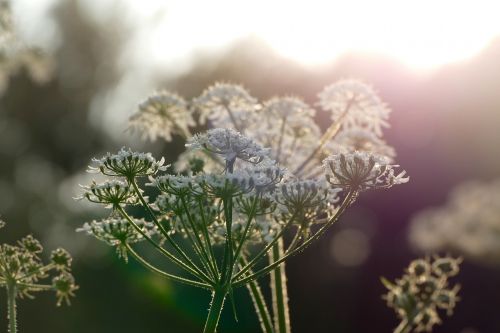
pixel 361 171
pixel 418 295
pixel 113 193
pixel 119 232
pixel 162 115
pixel 230 144
pixel 128 164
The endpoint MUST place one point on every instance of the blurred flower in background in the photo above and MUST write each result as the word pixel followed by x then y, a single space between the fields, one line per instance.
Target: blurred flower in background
pixel 468 224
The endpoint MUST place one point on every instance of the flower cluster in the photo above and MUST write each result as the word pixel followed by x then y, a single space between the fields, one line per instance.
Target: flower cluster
pixel 112 193
pixel 225 105
pixel 230 144
pixel 468 224
pixel 162 115
pixel 356 103
pixel 360 171
pixel 119 232
pixel 268 183
pixel 22 270
pixel 422 291
pixel 128 164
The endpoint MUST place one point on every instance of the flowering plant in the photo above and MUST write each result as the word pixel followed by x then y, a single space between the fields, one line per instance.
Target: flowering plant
pixel 22 269
pixel 251 178
pixel 423 290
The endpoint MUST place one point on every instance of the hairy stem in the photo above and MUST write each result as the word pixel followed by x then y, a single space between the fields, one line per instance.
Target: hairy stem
pixel 259 302
pixel 279 291
pixel 218 297
pixel 11 306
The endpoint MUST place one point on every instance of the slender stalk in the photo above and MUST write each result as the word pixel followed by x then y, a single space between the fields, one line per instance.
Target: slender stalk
pixel 163 231
pixel 259 302
pixel 280 140
pixel 260 306
pixel 207 237
pixel 192 270
pixel 279 291
pixel 347 201
pixel 403 327
pixel 204 252
pixel 265 249
pixel 329 134
pixel 11 306
pixel 218 297
pixel 165 274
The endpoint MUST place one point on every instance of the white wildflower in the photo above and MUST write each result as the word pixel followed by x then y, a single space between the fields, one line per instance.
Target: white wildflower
pixel 230 144
pixel 128 164
pixel 225 105
pixel 119 232
pixel 360 171
pixel 162 115
pixel 112 193
pixel 355 104
pixel 468 224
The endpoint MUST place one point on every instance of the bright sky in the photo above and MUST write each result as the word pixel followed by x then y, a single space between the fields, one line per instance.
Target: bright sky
pixel 422 34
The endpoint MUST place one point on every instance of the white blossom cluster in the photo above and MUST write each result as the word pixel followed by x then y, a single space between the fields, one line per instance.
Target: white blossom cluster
pixel 127 163
pixel 225 105
pixel 422 291
pixel 286 125
pixel 362 171
pixel 230 144
pixel 112 193
pixel 468 224
pixel 118 232
pixel 357 104
pixel 163 115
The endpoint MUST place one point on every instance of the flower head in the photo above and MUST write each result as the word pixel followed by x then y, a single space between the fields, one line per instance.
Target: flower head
pixel 230 144
pixel 119 232
pixel 225 105
pixel 418 295
pixel 113 193
pixel 360 171
pixel 355 104
pixel 65 287
pixel 468 224
pixel 128 164
pixel 162 115
pixel 61 259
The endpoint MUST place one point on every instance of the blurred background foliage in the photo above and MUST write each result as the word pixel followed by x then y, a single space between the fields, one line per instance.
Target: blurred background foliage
pixel 445 128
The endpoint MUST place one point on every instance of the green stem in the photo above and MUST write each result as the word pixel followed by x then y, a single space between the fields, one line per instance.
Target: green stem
pixel 279 291
pixel 348 200
pixel 165 274
pixel 218 297
pixel 11 302
pixel 260 307
pixel 259 302
pixel 192 270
